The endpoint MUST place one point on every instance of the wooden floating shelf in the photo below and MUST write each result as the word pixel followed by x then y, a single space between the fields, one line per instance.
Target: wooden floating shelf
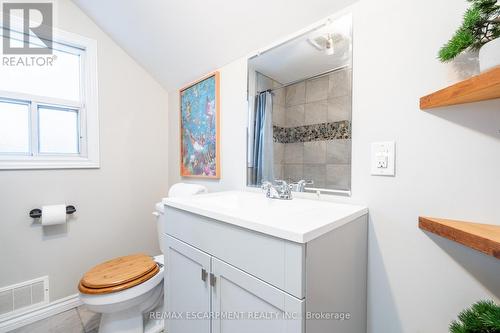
pixel 480 237
pixel 481 87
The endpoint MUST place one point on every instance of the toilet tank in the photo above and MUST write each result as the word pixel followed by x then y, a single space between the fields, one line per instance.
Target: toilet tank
pixel 176 190
pixel 160 211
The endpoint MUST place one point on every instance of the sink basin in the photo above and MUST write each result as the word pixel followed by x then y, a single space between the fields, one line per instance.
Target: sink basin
pixel 299 220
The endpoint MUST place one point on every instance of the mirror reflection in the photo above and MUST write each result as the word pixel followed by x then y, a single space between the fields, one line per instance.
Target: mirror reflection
pixel 300 101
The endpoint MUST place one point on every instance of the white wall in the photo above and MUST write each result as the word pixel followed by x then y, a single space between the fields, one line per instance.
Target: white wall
pixel 448 163
pixel 447 166
pixel 114 203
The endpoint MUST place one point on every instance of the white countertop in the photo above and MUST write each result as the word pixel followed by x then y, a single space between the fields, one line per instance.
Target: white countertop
pixel 298 220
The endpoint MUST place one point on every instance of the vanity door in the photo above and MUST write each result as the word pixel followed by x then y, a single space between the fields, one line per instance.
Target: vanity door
pixel 244 304
pixel 187 288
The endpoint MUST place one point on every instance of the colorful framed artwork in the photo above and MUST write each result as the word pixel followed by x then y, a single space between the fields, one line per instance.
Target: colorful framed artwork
pixel 199 128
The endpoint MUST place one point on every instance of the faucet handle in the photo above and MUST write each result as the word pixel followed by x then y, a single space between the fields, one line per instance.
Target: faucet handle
pixel 269 189
pixel 266 185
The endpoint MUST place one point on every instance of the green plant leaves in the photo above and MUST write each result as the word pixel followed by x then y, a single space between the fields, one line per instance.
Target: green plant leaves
pixel 481 24
pixel 462 40
pixel 481 317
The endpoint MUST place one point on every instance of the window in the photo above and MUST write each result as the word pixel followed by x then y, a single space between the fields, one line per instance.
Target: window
pixel 58 130
pixel 14 127
pixel 48 110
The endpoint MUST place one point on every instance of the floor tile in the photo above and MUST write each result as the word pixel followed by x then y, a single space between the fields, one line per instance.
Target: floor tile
pixel 90 320
pixel 65 322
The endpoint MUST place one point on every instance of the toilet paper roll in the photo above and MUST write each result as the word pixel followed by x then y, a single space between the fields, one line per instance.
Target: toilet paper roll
pixel 53 214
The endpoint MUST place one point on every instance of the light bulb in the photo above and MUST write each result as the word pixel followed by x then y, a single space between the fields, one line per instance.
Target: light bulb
pixel 329 50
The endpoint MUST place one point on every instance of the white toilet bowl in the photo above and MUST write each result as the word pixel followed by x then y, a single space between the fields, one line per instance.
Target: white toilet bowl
pixel 123 311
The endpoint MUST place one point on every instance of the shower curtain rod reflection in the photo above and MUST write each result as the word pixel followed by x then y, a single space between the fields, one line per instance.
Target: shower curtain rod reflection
pixel 271 91
pixel 307 78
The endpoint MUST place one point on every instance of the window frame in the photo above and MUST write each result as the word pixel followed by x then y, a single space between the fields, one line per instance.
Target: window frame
pixel 87 109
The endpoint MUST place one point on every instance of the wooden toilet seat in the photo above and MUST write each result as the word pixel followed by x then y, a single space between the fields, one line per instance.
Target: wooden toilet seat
pixel 118 274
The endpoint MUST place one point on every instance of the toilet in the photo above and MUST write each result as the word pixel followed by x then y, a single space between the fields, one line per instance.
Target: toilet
pixel 126 288
pixel 122 290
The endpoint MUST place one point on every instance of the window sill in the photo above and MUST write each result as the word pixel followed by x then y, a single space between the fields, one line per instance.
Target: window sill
pixel 48 163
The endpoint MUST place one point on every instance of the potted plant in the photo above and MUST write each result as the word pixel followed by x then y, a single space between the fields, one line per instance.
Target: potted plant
pixel 480 30
pixel 481 317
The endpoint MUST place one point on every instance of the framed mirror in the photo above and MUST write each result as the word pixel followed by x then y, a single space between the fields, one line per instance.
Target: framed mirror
pixel 299 118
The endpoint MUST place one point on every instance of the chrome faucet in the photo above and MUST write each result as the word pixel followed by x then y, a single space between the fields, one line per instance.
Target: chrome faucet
pixel 282 190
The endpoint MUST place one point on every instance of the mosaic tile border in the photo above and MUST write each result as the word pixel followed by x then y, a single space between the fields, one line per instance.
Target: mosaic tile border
pixel 316 132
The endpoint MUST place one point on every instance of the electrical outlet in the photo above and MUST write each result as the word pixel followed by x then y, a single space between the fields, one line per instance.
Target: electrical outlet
pixel 383 158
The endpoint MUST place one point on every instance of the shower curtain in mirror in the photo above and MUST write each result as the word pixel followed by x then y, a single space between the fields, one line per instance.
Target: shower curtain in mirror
pixel 263 159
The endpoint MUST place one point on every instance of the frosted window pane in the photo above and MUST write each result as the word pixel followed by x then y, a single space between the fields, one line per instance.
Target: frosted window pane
pixel 14 128
pixel 58 130
pixel 61 80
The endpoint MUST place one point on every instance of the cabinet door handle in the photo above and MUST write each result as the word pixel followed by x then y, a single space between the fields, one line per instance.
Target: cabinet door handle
pixel 212 279
pixel 204 275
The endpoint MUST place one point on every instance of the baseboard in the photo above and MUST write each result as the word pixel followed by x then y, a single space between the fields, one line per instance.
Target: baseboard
pixel 43 312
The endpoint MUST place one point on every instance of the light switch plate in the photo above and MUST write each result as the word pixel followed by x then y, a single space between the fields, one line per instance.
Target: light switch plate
pixel 383 158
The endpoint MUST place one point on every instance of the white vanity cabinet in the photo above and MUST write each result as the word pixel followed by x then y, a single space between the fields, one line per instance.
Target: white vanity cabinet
pixel 262 307
pixel 189 288
pixel 200 287
pixel 222 277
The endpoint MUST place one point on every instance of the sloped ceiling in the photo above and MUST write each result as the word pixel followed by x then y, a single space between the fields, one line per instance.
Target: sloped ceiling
pixel 179 41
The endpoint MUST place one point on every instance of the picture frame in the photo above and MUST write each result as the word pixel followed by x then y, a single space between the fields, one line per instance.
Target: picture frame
pixel 199 106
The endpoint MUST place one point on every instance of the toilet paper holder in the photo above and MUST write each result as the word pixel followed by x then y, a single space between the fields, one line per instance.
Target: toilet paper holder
pixel 37 212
